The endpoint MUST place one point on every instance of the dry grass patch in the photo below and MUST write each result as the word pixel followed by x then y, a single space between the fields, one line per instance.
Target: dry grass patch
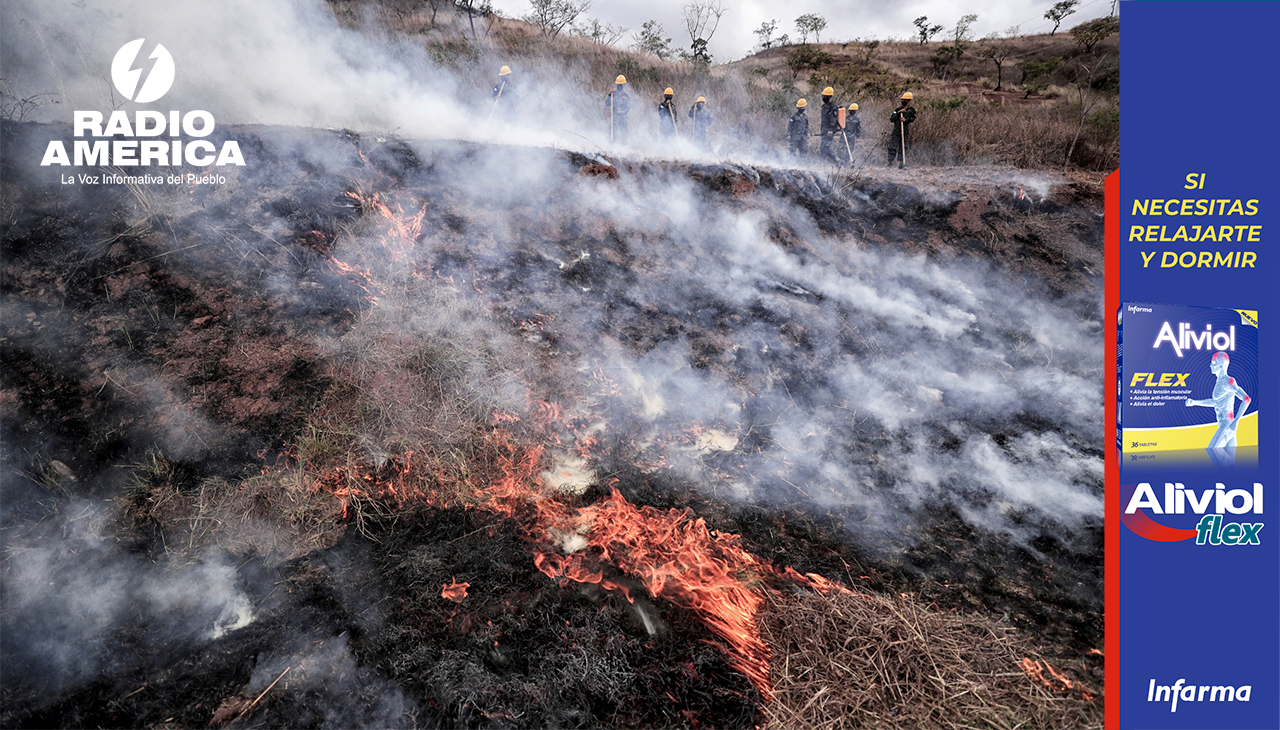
pixel 844 660
pixel 278 514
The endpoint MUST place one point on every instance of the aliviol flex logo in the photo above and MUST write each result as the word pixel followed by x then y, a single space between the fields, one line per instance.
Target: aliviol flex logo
pixel 1213 504
pixel 142 78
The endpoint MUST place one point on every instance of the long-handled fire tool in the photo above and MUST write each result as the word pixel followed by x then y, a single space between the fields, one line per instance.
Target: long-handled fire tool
pixel 671 113
pixel 902 127
pixel 496 99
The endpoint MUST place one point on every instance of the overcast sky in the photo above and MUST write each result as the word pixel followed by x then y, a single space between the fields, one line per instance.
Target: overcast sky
pixel 845 20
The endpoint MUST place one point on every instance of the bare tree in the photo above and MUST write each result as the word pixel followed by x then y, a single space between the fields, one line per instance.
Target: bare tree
pixel 553 16
pixel 472 8
pixel 1087 98
pixel 401 11
pixel 606 34
pixel 491 15
pixel 810 23
pixel 435 6
pixel 1060 11
pixel 16 107
pixel 701 18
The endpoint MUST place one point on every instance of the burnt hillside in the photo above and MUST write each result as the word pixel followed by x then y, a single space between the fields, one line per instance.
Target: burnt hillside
pixel 258 435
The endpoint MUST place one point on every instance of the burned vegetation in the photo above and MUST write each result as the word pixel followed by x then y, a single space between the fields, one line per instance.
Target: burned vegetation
pixel 393 433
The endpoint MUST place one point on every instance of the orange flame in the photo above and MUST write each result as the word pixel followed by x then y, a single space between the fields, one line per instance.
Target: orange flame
pixel 1056 681
pixel 676 557
pixel 671 553
pixel 455 591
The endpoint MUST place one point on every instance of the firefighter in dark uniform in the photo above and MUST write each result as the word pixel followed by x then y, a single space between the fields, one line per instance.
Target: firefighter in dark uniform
pixel 830 125
pixel 504 94
pixel 667 113
pixel 701 117
pixel 798 131
pixel 900 131
pixel 618 102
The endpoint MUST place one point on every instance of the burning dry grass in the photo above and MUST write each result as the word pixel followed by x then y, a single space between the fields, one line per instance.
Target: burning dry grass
pixel 413 417
pixel 849 660
pixel 823 658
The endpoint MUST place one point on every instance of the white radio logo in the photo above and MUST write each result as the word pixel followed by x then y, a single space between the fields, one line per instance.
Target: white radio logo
pixel 155 73
pixel 116 139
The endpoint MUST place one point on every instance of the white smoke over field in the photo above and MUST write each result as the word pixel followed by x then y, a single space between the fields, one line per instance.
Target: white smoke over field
pixel 842 376
pixel 246 62
pixel 290 62
pixel 70 599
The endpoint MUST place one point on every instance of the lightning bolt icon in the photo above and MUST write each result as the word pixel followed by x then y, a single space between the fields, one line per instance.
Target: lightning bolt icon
pixel 140 69
pixel 142 77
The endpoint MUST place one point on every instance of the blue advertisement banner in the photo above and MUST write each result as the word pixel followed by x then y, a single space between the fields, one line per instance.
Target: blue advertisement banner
pixel 1196 554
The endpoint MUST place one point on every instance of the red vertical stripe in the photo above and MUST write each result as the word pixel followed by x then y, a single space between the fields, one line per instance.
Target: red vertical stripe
pixel 1111 307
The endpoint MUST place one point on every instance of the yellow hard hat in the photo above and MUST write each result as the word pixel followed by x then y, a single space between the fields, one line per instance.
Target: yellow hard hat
pixel 620 80
pixel 701 100
pixel 907 95
pixel 668 91
pixel 828 91
pixel 853 107
pixel 504 71
pixel 801 104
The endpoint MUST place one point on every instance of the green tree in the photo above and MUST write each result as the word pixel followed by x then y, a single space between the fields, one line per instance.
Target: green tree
pixel 1092 32
pixel 945 56
pixel 1035 75
pixel 997 52
pixel 810 23
pixel 942 58
pixel 960 35
pixel 866 50
pixel 765 33
pixel 1059 12
pixel 649 40
pixel 925 31
pixel 806 57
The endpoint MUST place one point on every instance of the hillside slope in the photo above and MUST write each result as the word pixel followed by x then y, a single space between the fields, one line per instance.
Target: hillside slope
pixel 264 426
pixel 1057 106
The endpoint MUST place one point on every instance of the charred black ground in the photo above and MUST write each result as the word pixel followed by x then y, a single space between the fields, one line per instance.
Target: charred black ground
pixel 199 323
